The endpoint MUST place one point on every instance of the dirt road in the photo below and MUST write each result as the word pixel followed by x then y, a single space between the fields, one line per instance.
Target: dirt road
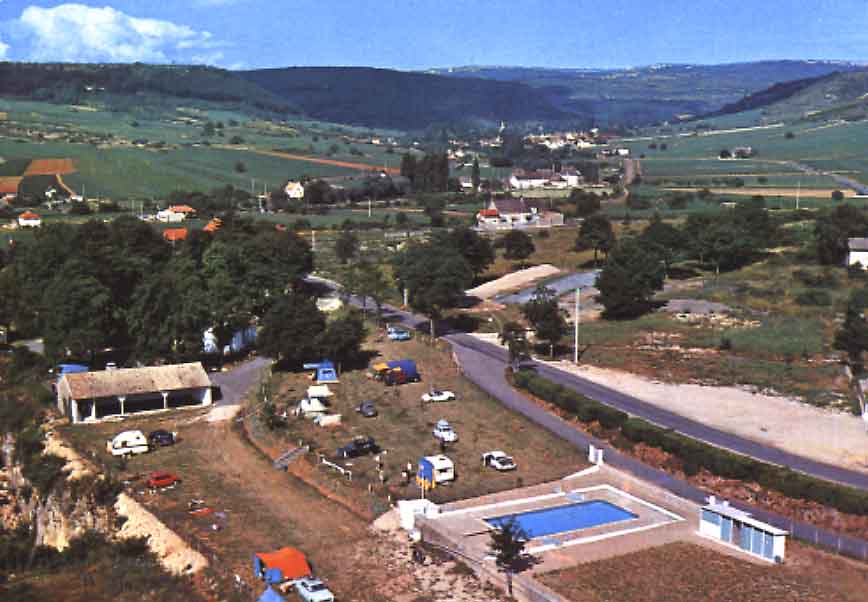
pixel 348 164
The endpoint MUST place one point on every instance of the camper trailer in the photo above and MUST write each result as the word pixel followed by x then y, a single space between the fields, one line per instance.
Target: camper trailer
pixel 127 443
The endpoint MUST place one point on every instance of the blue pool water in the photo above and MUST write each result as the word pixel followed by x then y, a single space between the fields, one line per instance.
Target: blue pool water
pixel 559 519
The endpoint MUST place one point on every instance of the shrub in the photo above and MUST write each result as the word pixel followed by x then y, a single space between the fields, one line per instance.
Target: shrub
pixel 814 297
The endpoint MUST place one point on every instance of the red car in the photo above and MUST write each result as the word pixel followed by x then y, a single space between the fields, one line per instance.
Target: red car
pixel 162 480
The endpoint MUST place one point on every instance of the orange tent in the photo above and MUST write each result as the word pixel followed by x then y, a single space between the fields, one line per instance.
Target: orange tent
pixel 290 561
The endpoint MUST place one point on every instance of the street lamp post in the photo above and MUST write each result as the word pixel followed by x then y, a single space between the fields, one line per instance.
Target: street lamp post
pixel 576 334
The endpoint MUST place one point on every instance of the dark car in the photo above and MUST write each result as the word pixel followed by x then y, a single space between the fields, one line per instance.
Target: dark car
pixel 367 409
pixel 359 446
pixel 161 438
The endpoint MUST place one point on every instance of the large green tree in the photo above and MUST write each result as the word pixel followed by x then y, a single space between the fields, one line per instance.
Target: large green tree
pixel 517 245
pixel 476 249
pixel 346 246
pixel 629 279
pixel 545 316
pixel 852 336
pixel 435 277
pixel 833 228
pixel 291 330
pixel 77 313
pixel 507 544
pixel 596 233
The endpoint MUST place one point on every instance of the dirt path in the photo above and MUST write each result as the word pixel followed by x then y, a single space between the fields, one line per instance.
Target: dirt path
pixel 348 164
pixel 63 185
pixel 771 191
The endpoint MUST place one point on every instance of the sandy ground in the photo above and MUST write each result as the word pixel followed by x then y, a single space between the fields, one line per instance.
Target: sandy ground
pixel 513 281
pixel 787 424
pixel 175 555
pixel 772 191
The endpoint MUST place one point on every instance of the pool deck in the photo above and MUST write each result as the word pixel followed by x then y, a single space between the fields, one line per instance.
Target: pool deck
pixel 660 518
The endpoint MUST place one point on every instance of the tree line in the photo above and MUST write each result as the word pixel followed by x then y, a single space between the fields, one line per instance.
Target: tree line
pixel 93 286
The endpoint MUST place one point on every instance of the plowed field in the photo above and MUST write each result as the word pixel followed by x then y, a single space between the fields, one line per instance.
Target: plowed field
pixel 49 167
pixel 683 572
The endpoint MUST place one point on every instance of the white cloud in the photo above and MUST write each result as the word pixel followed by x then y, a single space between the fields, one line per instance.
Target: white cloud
pixel 3 47
pixel 79 33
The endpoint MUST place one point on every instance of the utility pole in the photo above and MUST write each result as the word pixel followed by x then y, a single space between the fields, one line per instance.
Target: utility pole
pixel 798 192
pixel 576 335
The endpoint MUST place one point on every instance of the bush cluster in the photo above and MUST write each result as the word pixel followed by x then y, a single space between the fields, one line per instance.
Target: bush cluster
pixel 694 454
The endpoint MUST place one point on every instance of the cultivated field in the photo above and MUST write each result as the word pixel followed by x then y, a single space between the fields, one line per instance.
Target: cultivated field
pixel 682 572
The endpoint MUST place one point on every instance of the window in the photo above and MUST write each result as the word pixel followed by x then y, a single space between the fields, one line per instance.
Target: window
pixel 711 517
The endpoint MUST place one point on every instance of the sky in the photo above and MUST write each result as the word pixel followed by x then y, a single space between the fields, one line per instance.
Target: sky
pixel 420 34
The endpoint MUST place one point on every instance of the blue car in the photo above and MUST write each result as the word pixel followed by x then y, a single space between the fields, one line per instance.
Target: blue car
pixel 396 334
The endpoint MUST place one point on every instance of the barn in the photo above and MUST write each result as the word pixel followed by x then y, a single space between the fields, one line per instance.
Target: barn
pixel 92 396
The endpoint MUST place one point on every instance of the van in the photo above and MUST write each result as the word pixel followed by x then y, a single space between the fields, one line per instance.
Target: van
pixel 127 443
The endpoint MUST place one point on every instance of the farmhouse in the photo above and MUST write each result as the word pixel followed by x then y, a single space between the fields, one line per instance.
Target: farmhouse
pixel 508 213
pixel 185 209
pixel 90 396
pixel 169 216
pixel 527 180
pixel 28 219
pixel 857 252
pixel 294 190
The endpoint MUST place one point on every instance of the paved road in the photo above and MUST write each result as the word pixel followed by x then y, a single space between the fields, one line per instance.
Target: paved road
pixel 235 383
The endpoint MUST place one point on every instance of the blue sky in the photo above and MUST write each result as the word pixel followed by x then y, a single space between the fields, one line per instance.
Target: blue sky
pixel 416 34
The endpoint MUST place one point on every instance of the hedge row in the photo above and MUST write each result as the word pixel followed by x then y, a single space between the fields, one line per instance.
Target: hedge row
pixel 696 455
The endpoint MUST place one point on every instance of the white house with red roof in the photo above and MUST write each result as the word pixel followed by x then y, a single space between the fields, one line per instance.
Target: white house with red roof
pixel 28 219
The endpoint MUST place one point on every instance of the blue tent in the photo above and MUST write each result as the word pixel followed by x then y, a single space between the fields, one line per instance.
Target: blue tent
pixel 325 371
pixel 269 595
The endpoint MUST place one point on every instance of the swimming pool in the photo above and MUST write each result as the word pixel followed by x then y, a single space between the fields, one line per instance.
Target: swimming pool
pixel 570 517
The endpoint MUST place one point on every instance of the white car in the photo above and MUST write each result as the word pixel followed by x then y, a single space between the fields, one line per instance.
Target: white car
pixel 437 395
pixel 498 460
pixel 444 431
pixel 313 590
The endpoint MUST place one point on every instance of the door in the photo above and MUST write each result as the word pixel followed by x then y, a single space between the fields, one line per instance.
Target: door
pixel 726 529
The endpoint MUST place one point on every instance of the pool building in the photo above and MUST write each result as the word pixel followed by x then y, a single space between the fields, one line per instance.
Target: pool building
pixel 720 521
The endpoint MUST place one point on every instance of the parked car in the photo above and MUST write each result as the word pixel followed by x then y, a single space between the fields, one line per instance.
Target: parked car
pixel 498 460
pixel 313 590
pixel 127 443
pixel 444 431
pixel 161 438
pixel 437 395
pixel 397 334
pixel 162 480
pixel 367 409
pixel 359 446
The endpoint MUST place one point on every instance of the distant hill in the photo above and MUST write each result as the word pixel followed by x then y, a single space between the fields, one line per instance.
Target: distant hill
pixel 114 84
pixel 404 100
pixel 655 93
pixel 769 96
pixel 840 96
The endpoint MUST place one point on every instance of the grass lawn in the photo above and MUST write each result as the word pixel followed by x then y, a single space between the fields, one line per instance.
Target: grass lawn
pixel 403 428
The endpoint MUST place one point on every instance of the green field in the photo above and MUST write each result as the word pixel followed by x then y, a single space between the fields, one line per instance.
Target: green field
pixel 109 168
pixel 837 147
